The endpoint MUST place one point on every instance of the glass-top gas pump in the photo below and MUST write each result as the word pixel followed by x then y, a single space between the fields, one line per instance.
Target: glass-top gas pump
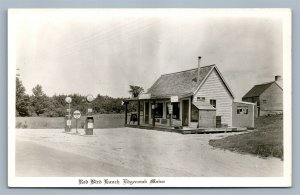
pixel 68 117
pixel 89 121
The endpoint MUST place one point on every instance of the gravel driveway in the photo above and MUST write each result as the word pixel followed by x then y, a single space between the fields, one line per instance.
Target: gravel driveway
pixel 132 152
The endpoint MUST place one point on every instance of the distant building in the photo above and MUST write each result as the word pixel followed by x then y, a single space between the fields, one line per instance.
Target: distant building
pixel 268 97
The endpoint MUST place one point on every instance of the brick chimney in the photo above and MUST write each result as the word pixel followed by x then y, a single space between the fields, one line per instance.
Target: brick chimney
pixel 199 60
pixel 277 78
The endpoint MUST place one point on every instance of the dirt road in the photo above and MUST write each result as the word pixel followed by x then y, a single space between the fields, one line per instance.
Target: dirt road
pixel 132 152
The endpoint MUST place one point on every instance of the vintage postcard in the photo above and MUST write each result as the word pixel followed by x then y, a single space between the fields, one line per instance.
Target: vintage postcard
pixel 149 98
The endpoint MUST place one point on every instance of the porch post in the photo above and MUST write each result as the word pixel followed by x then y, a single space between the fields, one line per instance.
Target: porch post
pixel 171 113
pixel 139 107
pixel 126 103
pixel 153 115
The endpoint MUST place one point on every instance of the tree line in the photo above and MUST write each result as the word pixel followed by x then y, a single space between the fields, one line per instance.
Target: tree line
pixel 39 104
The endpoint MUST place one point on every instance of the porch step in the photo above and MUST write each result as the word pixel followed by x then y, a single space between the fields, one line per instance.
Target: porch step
pixel 189 130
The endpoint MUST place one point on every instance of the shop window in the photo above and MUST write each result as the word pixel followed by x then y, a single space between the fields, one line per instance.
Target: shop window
pixel 176 111
pixel 159 110
pixel 213 103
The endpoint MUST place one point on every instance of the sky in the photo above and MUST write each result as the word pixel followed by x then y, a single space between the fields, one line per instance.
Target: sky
pixel 103 51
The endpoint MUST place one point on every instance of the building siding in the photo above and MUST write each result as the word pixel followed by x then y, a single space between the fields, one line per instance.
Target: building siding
pixel 271 99
pixel 214 88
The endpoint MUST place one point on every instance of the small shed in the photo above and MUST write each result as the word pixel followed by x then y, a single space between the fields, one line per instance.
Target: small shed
pixel 243 114
pixel 206 114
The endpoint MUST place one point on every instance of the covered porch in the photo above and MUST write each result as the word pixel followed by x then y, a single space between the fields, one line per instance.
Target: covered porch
pixel 173 112
pixel 156 112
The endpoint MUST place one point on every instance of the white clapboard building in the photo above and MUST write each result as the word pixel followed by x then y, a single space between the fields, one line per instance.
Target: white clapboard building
pixel 198 97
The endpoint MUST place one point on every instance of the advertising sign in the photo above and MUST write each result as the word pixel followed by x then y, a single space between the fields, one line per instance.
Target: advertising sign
pixel 76 114
pixel 174 98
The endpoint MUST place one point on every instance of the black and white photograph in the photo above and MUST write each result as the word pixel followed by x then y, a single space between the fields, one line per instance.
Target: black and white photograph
pixel 149 97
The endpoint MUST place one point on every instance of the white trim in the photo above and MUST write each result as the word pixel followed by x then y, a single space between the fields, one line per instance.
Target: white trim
pixel 228 88
pixel 220 75
pixel 241 102
pixel 200 85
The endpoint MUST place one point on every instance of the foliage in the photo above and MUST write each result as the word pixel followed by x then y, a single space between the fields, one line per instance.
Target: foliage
pixel 39 104
pixel 39 100
pixel 22 100
pixel 135 90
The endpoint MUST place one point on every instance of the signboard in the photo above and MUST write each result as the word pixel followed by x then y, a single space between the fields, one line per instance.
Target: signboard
pixel 170 108
pixel 69 123
pixel 174 98
pixel 68 110
pixel 90 110
pixel 76 114
pixel 90 125
pixel 145 96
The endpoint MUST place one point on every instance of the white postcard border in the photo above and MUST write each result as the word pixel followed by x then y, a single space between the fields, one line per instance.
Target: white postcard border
pixel 284 181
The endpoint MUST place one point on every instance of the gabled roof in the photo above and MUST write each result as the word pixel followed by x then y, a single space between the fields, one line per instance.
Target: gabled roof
pixel 257 90
pixel 180 84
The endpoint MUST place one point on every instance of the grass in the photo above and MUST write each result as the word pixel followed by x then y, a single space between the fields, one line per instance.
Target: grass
pixel 267 141
pixel 100 121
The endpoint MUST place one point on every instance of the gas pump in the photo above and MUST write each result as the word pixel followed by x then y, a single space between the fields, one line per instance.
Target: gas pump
pixel 68 117
pixel 89 121
pixel 68 123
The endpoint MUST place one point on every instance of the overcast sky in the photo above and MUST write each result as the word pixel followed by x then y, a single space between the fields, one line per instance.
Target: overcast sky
pixel 104 51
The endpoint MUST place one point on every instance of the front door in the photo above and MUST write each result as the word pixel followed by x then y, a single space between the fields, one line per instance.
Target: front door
pixel 146 113
pixel 185 112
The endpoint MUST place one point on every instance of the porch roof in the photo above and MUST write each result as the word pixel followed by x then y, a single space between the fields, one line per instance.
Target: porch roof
pixel 152 97
pixel 203 105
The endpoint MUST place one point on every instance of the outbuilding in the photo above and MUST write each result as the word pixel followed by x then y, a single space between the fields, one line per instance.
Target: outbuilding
pixel 267 96
pixel 243 114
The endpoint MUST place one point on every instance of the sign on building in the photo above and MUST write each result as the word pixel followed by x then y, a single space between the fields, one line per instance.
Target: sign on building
pixel 145 96
pixel 174 98
pixel 170 108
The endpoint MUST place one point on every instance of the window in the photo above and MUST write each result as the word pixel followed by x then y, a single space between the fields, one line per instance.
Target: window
pixel 202 99
pixel 213 103
pixel 176 110
pixel 242 110
pixel 195 113
pixel 159 110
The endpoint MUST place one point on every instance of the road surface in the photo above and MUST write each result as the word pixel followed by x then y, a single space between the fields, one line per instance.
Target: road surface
pixel 130 152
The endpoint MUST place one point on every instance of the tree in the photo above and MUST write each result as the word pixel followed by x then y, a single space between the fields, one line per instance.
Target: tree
pixel 39 100
pixel 22 100
pixel 135 90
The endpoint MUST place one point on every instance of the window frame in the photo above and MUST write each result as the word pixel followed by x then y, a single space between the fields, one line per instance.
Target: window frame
pixel 200 99
pixel 213 102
